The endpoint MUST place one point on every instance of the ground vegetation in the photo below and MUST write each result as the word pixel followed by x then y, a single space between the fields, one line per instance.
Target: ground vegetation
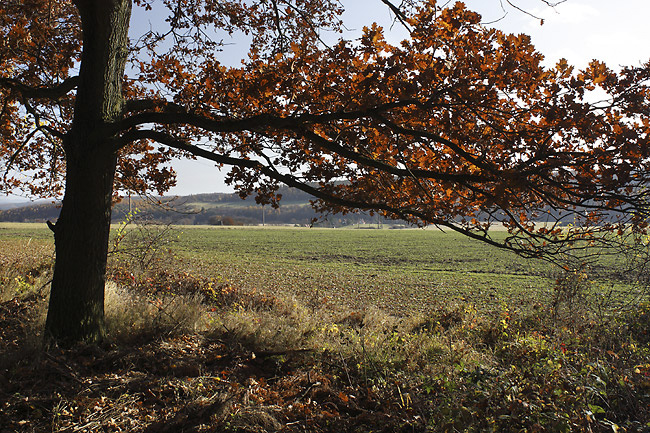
pixel 192 351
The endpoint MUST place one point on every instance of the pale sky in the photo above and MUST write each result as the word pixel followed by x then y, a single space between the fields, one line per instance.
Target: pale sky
pixel 578 30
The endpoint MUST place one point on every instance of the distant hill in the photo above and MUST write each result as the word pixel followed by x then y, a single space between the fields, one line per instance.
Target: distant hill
pixel 210 209
pixel 213 209
pixel 10 202
pixel 30 212
pixel 13 205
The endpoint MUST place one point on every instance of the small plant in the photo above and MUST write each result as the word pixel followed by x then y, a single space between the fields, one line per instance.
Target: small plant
pixel 23 285
pixel 570 288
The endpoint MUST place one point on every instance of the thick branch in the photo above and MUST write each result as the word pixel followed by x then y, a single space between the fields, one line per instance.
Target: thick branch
pixel 297 124
pixel 179 144
pixel 173 114
pixel 42 92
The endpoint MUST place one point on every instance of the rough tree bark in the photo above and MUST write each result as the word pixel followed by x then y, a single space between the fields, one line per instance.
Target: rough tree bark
pixel 76 310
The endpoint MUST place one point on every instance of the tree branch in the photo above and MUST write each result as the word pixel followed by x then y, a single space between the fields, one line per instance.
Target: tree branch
pixel 399 15
pixel 176 115
pixel 293 181
pixel 171 113
pixel 381 165
pixel 42 92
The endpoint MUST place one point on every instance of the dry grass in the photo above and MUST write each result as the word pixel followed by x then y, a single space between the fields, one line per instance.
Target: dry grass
pixel 132 316
pixel 25 267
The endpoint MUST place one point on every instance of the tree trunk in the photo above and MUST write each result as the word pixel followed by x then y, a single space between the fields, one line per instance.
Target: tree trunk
pixel 76 310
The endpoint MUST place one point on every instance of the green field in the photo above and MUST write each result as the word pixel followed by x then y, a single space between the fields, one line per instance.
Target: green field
pixel 402 271
pixel 399 270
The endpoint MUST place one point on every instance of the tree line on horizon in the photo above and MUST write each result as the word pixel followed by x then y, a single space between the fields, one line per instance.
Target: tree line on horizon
pixel 226 209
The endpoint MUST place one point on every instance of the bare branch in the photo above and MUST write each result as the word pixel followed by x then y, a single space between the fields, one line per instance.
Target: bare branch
pixel 548 3
pixel 399 15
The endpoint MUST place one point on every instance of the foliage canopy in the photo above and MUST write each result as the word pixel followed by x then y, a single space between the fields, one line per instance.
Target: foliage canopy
pixel 459 125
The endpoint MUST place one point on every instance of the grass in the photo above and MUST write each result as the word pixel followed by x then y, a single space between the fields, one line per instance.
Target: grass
pixel 255 330
pixel 404 271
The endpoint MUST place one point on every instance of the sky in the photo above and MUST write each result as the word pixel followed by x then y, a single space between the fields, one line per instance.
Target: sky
pixel 578 30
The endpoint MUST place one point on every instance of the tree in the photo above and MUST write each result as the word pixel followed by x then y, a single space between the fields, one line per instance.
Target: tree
pixel 458 126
